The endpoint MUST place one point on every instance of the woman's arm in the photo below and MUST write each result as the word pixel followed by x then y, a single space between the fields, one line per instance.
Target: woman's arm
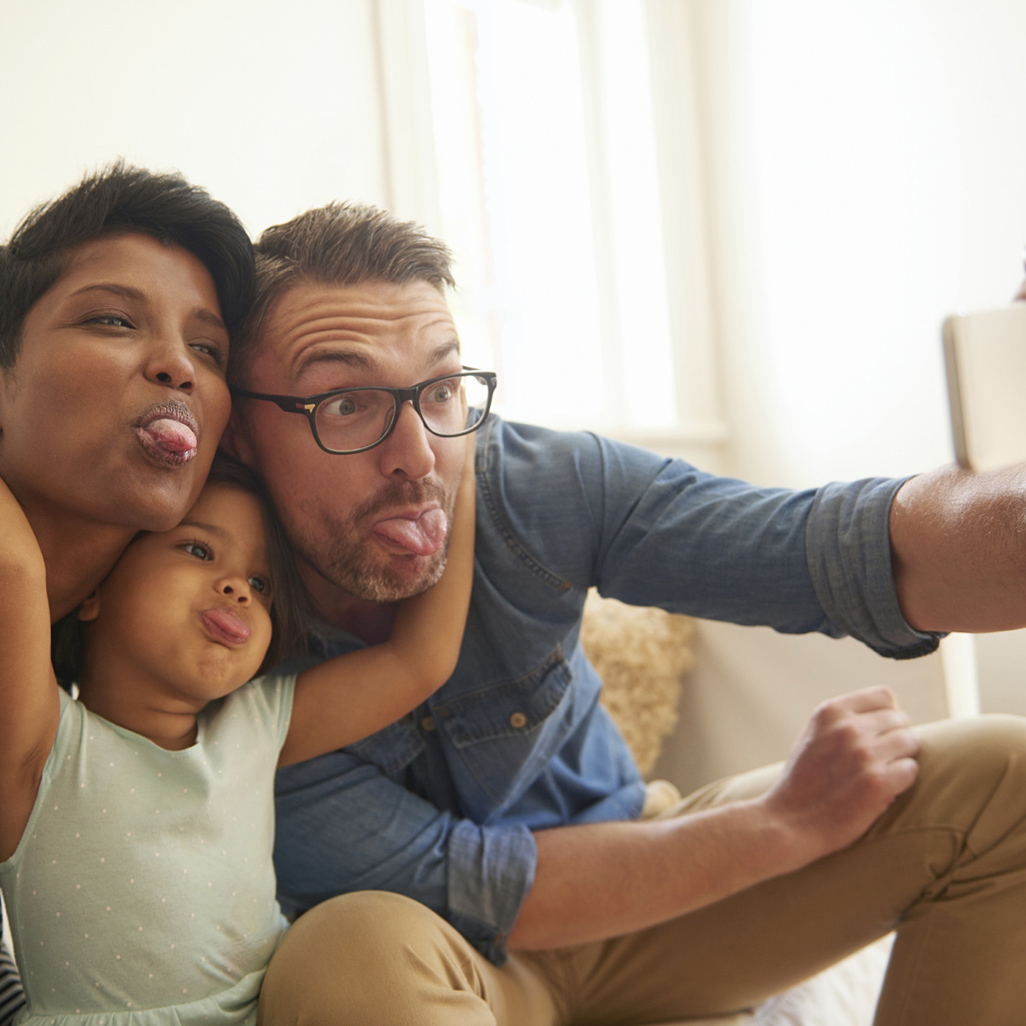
pixel 29 706
pixel 353 695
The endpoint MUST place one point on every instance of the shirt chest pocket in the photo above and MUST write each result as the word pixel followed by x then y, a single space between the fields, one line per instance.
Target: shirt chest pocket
pixel 494 730
pixel 503 735
pixel 511 709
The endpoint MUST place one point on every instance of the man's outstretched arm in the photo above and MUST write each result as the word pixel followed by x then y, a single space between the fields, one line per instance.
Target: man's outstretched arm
pixel 602 880
pixel 958 546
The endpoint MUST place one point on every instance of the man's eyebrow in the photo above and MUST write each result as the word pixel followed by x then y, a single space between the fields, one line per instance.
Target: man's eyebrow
pixel 447 348
pixel 357 357
pixel 349 357
pixel 130 292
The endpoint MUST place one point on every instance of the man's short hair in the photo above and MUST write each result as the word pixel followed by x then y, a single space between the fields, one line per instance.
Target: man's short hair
pixel 339 244
pixel 122 198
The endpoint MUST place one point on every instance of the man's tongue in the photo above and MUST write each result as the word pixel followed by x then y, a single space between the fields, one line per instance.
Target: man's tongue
pixel 170 435
pixel 422 536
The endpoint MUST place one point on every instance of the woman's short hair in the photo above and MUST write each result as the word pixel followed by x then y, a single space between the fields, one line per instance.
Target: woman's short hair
pixel 122 198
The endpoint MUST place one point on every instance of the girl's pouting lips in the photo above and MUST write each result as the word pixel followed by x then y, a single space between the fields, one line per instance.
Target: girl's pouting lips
pixel 225 625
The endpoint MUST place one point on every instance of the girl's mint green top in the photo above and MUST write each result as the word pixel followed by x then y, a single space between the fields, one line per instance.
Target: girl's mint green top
pixel 142 890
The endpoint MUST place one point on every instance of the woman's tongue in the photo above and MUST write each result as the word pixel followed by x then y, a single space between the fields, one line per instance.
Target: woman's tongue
pixel 170 435
pixel 420 536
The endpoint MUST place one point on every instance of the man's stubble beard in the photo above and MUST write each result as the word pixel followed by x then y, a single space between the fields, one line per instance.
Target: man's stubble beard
pixel 344 559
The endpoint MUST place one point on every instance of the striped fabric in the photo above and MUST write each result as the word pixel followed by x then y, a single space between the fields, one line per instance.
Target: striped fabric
pixel 12 998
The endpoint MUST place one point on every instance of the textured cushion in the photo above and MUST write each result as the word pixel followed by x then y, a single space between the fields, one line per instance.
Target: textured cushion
pixel 640 653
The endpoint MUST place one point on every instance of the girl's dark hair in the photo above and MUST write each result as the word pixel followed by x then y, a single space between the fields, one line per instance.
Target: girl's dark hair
pixel 121 198
pixel 288 605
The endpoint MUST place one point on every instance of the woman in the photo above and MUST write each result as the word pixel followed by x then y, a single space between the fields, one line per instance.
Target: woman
pixel 117 303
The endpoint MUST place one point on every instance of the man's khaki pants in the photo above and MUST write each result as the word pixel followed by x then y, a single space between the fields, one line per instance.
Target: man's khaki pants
pixel 945 865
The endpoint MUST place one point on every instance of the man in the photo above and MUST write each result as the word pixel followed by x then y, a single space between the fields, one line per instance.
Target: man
pixel 117 300
pixel 508 805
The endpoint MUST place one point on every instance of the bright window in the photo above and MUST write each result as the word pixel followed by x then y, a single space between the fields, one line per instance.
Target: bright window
pixel 549 195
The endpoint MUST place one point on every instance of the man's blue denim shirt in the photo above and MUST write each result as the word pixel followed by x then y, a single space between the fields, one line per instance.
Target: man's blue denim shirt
pixel 440 806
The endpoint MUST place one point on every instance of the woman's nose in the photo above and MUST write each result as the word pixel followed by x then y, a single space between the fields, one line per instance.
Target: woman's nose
pixel 171 365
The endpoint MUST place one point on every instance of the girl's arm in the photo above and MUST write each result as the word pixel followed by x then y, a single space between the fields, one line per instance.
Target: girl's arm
pixel 353 695
pixel 29 706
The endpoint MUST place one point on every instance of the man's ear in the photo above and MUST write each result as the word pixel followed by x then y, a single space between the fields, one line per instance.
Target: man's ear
pixel 90 609
pixel 234 441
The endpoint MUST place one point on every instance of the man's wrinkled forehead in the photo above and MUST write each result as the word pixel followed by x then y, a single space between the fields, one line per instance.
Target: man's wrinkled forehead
pixel 364 327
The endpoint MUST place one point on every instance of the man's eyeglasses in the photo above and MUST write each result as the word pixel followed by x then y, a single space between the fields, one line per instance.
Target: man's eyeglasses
pixel 349 420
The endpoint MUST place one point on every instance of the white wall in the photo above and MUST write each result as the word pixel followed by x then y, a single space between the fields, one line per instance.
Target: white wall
pixel 867 176
pixel 273 106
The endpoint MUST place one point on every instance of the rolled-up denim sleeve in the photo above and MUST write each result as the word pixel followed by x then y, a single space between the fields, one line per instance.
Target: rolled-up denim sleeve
pixel 848 547
pixel 344 826
pixel 655 531
pixel 490 871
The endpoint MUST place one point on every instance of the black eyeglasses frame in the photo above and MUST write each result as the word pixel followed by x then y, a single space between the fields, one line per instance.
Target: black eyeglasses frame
pixel 307 405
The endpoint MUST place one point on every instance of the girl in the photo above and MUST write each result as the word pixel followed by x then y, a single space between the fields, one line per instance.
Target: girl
pixel 136 824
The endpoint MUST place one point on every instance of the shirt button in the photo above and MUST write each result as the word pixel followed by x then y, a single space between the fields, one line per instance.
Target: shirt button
pixel 518 720
pixel 428 723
